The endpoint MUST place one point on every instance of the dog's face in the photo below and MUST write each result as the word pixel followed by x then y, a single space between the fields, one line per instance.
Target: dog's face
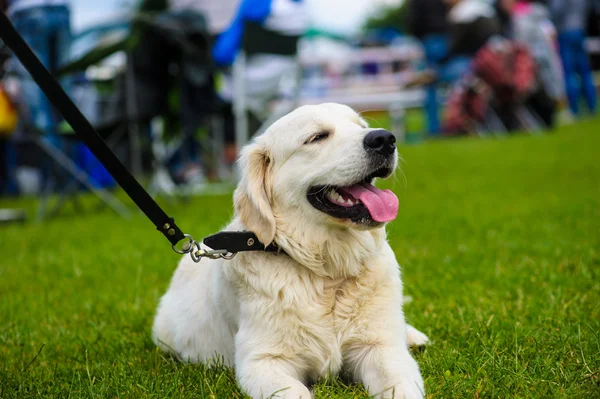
pixel 318 164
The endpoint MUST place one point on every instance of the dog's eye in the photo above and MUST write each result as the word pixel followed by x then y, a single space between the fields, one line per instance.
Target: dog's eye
pixel 318 137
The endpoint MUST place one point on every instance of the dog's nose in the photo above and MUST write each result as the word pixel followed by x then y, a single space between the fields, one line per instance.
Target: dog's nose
pixel 381 141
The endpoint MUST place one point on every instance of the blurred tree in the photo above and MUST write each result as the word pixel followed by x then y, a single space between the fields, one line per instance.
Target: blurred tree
pixel 389 17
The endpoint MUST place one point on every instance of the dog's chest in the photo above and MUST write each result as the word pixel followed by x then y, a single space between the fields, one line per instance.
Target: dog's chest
pixel 335 316
pixel 342 300
pixel 316 317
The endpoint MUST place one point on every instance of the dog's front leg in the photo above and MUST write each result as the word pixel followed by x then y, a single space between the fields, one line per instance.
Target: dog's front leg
pixel 264 366
pixel 388 371
pixel 270 377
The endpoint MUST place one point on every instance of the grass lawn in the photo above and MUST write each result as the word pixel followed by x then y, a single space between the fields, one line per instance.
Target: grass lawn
pixel 499 242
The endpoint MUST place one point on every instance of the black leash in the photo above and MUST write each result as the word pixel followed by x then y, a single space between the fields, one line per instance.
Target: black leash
pixel 222 245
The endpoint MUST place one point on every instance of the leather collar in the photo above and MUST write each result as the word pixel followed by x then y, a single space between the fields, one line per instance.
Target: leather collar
pixel 239 241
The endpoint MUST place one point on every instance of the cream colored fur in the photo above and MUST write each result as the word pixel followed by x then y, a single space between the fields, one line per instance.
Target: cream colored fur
pixel 333 302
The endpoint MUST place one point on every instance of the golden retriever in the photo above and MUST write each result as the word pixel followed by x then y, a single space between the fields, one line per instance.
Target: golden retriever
pixel 331 299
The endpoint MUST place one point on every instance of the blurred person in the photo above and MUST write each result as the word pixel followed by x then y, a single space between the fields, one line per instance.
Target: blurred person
pixel 427 20
pixel 219 14
pixel 471 24
pixel 175 79
pixel 533 26
pixel 481 54
pixel 46 26
pixel 570 18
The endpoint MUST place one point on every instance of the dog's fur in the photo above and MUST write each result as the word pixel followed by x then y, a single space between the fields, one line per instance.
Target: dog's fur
pixel 332 301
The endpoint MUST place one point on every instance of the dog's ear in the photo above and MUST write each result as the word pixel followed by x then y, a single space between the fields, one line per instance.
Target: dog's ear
pixel 251 198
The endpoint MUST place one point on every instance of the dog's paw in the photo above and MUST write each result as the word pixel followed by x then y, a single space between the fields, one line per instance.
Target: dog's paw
pixel 291 393
pixel 410 388
pixel 415 337
pixel 411 385
pixel 404 392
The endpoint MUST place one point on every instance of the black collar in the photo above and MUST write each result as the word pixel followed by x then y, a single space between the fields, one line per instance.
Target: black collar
pixel 239 241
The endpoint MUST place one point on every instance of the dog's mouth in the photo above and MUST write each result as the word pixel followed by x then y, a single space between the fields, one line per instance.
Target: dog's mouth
pixel 360 202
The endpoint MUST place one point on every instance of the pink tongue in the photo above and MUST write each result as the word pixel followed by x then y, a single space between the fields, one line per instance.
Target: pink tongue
pixel 382 204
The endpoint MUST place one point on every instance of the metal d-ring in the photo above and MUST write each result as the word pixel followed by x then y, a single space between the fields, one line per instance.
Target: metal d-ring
pixel 197 253
pixel 188 246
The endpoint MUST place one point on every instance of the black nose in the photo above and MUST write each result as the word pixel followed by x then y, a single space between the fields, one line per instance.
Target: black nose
pixel 381 141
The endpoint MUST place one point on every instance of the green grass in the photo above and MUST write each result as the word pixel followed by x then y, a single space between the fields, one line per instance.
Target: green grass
pixel 499 242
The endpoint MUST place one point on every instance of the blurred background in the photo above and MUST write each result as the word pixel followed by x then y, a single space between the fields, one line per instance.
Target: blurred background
pixel 177 87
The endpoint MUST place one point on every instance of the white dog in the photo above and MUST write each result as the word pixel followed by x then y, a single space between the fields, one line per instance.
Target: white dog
pixel 331 300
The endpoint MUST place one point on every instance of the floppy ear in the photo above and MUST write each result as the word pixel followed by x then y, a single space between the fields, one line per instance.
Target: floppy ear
pixel 251 199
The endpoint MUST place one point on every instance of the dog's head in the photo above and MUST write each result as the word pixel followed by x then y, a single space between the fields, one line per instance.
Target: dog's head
pixel 314 168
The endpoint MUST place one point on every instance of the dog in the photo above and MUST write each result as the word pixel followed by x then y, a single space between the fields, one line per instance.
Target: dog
pixel 330 300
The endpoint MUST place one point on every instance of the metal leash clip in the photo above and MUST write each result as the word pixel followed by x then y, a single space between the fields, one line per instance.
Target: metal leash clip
pixel 210 253
pixel 196 251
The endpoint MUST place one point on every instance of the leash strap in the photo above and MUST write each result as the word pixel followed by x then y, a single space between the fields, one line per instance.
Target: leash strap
pixel 84 131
